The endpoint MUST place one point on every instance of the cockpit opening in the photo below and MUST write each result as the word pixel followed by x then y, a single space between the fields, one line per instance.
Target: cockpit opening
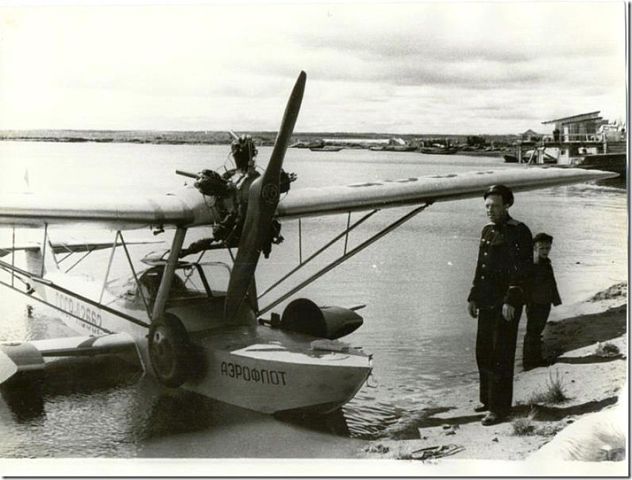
pixel 190 281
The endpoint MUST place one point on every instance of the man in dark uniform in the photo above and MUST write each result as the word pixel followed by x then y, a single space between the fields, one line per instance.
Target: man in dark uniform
pixel 505 258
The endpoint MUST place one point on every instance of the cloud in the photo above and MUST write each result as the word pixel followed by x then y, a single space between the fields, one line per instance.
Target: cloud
pixel 371 66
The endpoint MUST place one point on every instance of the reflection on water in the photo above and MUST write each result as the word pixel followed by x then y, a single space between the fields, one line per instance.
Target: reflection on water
pixel 24 396
pixel 414 283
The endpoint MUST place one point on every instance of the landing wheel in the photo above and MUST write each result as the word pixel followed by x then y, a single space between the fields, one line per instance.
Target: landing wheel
pixel 169 350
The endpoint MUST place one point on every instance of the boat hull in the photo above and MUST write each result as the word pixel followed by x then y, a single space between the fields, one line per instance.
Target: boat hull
pixel 326 149
pixel 612 162
pixel 257 367
pixel 437 150
pixel 272 371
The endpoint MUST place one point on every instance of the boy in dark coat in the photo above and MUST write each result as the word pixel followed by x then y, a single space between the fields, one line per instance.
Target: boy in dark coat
pixel 543 293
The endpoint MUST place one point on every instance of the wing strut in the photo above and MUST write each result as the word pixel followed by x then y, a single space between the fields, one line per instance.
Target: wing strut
pixel 44 249
pixel 107 271
pixel 13 257
pixel 346 256
pixel 85 255
pixel 302 263
pixel 167 275
pixel 117 236
pixel 131 266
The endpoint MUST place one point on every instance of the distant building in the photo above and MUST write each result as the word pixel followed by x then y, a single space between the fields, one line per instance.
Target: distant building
pixel 530 136
pixel 578 128
pixel 586 134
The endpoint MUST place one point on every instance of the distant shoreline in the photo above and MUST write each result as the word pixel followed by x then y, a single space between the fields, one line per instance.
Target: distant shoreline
pixel 299 140
pixel 212 137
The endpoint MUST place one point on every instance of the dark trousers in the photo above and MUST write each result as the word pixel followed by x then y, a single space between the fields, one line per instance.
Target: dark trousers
pixel 495 357
pixel 537 315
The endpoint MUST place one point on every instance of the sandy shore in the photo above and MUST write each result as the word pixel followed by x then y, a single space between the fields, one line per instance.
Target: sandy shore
pixel 590 378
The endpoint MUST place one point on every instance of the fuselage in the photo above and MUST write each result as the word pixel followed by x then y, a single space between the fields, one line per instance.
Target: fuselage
pixel 253 366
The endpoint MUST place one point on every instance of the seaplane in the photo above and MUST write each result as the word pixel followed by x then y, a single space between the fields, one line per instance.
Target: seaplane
pixel 173 319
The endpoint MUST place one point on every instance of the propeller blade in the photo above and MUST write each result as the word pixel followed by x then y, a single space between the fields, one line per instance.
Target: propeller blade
pixel 263 198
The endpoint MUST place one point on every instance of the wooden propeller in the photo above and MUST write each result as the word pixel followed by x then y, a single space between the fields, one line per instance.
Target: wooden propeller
pixel 263 198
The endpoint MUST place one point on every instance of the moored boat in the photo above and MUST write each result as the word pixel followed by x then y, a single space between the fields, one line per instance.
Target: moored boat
pixel 438 150
pixel 611 162
pixel 392 148
pixel 326 148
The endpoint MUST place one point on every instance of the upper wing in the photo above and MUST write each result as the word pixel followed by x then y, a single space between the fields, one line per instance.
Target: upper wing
pixel 434 188
pixel 188 207
pixel 184 207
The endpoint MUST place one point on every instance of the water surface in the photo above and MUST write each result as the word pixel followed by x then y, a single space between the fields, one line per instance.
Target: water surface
pixel 414 283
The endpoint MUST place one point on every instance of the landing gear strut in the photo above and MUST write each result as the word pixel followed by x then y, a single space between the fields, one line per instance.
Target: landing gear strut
pixel 169 346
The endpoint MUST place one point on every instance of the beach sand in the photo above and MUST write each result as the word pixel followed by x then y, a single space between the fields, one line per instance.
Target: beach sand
pixel 590 378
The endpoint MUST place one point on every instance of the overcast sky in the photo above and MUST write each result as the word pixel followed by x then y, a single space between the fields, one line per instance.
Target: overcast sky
pixel 372 67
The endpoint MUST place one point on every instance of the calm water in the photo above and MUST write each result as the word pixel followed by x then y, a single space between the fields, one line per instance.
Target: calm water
pixel 414 283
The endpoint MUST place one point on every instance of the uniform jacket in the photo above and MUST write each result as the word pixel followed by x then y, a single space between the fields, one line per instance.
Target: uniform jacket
pixel 505 259
pixel 542 286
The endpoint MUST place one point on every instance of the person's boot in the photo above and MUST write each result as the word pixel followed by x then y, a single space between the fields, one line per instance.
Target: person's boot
pixel 493 418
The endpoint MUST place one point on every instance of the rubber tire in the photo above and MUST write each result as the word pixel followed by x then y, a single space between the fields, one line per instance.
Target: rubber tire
pixel 169 351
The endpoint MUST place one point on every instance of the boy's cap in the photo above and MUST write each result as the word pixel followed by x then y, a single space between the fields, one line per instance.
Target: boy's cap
pixel 503 191
pixel 543 237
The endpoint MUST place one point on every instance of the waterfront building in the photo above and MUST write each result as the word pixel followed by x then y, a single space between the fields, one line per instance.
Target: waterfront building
pixel 586 140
